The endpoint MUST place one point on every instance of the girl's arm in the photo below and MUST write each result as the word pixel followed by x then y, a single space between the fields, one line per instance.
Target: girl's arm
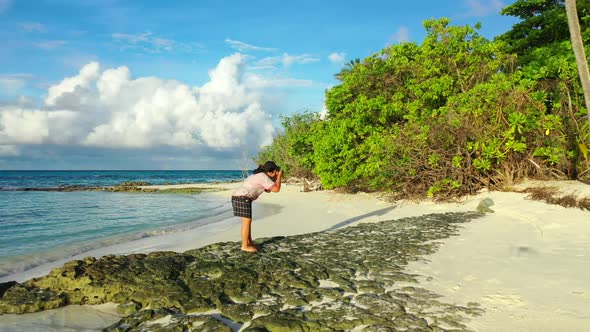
pixel 277 187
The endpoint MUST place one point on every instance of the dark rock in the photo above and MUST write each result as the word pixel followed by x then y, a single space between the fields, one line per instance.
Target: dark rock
pixel 134 184
pixel 128 308
pixel 63 188
pixel 282 322
pixel 338 280
pixel 4 286
pixel 20 299
pixel 237 312
pixel 166 319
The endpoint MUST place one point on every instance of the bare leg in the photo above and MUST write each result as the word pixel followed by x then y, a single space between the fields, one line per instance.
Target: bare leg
pixel 247 243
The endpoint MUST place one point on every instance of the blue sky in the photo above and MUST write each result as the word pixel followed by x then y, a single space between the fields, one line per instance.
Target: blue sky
pixel 107 84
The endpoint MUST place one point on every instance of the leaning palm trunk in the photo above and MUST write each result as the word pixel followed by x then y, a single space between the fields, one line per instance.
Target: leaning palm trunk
pixel 578 45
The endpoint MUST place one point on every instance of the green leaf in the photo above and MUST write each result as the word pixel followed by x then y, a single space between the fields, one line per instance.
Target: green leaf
pixel 584 149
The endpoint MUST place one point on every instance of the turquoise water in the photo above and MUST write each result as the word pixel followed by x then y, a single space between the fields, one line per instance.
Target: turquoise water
pixel 47 179
pixel 41 226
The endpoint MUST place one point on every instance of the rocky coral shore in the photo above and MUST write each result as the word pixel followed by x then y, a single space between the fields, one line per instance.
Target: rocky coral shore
pixel 351 278
pixel 131 186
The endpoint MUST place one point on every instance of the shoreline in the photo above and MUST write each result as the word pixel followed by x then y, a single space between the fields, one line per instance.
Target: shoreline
pixel 501 261
pixel 132 187
pixel 138 218
pixel 227 227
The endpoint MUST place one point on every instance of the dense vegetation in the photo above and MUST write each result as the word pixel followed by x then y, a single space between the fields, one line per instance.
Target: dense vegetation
pixel 451 115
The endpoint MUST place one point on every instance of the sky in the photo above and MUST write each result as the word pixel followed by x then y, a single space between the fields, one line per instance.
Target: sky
pixel 202 84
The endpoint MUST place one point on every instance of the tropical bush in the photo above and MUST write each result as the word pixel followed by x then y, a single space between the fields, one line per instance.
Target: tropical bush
pixel 444 118
pixel 292 149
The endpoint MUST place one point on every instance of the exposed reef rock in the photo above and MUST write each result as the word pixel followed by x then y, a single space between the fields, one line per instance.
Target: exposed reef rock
pixel 340 280
pixel 132 187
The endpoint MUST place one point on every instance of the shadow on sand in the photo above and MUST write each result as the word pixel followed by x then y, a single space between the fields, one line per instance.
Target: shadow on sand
pixel 346 222
pixel 263 210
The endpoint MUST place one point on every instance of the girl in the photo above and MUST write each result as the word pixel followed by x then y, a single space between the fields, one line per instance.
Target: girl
pixel 267 178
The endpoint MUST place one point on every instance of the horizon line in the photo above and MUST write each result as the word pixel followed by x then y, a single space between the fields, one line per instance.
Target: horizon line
pixel 113 170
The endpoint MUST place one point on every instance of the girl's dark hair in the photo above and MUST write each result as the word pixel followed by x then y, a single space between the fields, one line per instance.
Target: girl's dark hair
pixel 269 166
pixel 258 170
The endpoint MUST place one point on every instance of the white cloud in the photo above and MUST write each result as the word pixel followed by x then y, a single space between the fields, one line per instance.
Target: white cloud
pixel 337 57
pixel 24 101
pixel 401 35
pixel 32 27
pixel 133 39
pixel 286 60
pixel 4 5
pixel 110 108
pixel 260 82
pixel 479 8
pixel 19 126
pixel 9 150
pixel 147 42
pixel 51 44
pixel 13 82
pixel 73 85
pixel 244 47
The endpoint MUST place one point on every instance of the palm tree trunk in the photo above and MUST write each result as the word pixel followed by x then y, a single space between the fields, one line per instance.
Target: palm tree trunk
pixel 578 45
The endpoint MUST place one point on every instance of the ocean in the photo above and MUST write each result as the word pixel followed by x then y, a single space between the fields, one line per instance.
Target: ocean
pixel 38 227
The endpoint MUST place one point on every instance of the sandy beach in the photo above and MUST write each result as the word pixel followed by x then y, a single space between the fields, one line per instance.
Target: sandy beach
pixel 526 264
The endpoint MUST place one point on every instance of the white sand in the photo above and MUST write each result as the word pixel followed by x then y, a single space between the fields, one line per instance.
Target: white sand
pixel 527 264
pixel 70 318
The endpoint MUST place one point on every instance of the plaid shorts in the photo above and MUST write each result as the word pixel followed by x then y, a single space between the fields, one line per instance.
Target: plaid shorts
pixel 242 206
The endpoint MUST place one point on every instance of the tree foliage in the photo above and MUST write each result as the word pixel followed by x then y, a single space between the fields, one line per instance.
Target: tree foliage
pixel 442 118
pixel 542 42
pixel 348 67
pixel 293 149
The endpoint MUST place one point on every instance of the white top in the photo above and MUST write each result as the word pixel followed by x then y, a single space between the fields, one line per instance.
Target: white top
pixel 254 185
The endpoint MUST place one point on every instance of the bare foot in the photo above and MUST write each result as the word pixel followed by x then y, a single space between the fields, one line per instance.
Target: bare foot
pixel 249 248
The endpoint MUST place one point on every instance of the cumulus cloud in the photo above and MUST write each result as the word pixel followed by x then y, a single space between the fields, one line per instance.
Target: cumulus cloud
pixel 22 125
pixel 81 83
pixel 24 101
pixel 479 8
pixel 4 5
pixel 109 108
pixel 286 60
pixel 244 47
pixel 337 57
